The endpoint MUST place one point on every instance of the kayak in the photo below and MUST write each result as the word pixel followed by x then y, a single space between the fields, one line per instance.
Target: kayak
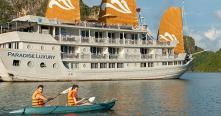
pixel 104 106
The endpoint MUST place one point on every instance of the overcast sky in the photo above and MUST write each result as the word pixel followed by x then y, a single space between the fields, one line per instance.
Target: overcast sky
pixel 202 19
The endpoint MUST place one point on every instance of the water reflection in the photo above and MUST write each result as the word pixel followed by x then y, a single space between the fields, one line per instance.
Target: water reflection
pixel 188 96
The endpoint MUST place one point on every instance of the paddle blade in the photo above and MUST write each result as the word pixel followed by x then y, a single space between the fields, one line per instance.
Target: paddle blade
pixel 91 99
pixel 66 91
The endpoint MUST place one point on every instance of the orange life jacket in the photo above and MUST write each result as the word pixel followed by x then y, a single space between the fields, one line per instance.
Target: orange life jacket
pixel 71 95
pixel 37 102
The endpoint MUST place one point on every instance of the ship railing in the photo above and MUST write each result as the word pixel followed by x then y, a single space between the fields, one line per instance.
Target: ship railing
pixel 147 56
pixel 66 38
pixel 98 56
pixel 99 40
pixel 163 43
pixel 128 56
pixel 131 42
pixel 113 41
pixel 121 41
pixel 171 56
pixel 176 55
pixel 147 42
pixel 70 55
pixel 102 25
pixel 85 56
pixel 21 26
pixel 85 40
pixel 114 56
pixel 158 56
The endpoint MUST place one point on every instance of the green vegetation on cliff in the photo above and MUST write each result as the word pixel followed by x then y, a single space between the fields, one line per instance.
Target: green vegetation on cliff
pixel 203 62
pixel 207 62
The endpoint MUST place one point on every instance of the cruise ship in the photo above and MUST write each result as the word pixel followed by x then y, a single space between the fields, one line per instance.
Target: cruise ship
pixel 61 47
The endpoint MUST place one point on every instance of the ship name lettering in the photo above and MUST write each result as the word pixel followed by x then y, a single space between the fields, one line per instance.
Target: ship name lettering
pixel 31 55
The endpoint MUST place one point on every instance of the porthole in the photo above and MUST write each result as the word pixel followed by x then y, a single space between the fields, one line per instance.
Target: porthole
pixel 29 46
pixel 30 64
pixel 42 48
pixel 53 48
pixel 55 65
pixel 42 65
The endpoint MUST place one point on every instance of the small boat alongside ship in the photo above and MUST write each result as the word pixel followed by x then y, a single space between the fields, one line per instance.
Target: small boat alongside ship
pixel 105 106
pixel 61 47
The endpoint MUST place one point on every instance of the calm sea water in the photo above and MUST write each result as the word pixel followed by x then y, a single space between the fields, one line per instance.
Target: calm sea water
pixel 195 94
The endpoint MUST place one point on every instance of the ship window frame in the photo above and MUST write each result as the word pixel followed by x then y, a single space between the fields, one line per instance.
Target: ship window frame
pixel 42 47
pixel 121 35
pixel 164 63
pixel 10 45
pixel 55 66
pixel 84 65
pixel 29 46
pixel 16 45
pixel 16 63
pixel 30 64
pixel 53 48
pixel 94 65
pixel 120 65
pixel 112 65
pixel 143 65
pixel 175 63
pixel 170 63
pixel 103 65
pixel 43 65
pixel 150 64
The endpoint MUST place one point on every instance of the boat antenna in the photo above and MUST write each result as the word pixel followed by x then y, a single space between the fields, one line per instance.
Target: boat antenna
pixel 139 16
pixel 183 15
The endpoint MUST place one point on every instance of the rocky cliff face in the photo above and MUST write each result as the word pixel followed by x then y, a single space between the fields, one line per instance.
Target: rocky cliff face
pixel 16 8
pixel 190 46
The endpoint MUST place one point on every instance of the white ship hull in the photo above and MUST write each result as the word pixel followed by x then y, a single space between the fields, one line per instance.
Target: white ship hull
pixel 170 73
pixel 24 74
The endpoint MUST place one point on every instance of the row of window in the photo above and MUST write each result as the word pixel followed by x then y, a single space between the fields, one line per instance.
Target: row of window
pixel 172 63
pixel 144 64
pixel 12 45
pixel 42 47
pixel 106 65
pixel 17 63
pixel 15 45
pixel 113 35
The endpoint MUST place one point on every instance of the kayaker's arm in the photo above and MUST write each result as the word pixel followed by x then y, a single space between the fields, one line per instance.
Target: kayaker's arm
pixel 41 97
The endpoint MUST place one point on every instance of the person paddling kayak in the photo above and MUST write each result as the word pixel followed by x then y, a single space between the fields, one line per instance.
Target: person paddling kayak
pixel 73 96
pixel 38 98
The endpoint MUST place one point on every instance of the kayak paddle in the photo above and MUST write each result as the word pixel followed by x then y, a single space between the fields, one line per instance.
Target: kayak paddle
pixel 62 93
pixel 90 100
